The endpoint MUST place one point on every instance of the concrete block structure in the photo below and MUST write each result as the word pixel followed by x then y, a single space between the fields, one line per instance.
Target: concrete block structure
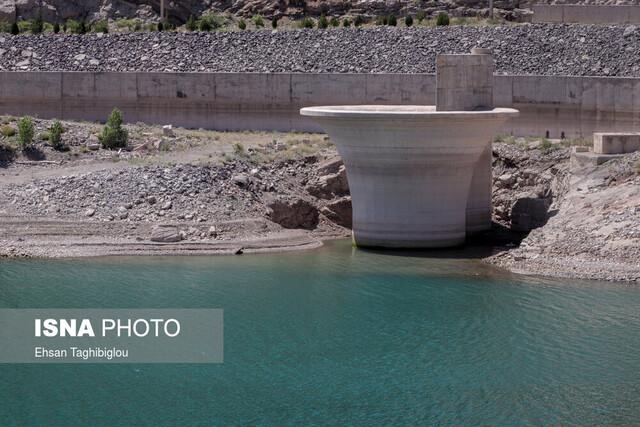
pixel 586 14
pixel 616 143
pixel 420 176
pixel 465 83
pixel 409 169
pixel 553 105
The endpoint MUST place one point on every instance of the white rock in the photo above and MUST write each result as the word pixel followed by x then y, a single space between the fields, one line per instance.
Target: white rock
pixel 167 130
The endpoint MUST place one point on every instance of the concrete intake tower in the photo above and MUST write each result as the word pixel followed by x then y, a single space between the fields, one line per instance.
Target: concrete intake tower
pixel 420 176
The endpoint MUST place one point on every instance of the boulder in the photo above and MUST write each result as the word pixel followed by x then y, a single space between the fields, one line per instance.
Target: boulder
pixel 166 234
pixel 330 166
pixel 330 186
pixel 297 213
pixel 339 211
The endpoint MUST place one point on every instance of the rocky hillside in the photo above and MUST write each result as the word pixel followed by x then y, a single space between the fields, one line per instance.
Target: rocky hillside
pixel 583 50
pixel 180 10
pixel 593 229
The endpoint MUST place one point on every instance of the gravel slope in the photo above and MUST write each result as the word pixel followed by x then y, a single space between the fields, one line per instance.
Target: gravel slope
pixel 522 49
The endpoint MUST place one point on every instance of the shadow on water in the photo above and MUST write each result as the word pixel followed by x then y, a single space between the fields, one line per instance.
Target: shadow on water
pixel 478 246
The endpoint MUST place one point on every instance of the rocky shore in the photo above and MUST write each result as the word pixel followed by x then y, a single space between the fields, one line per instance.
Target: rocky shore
pixel 178 191
pixel 581 50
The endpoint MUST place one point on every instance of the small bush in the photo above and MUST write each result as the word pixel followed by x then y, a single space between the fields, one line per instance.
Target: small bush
pixel 238 149
pixel 420 16
pixel 37 26
pixel 258 21
pixel 307 23
pixel 442 19
pixel 358 21
pixel 242 25
pixel 546 145
pixel 392 21
pixel 210 21
pixel 346 23
pixel 334 22
pixel 191 24
pixel 76 27
pixel 408 21
pixel 24 26
pixel 7 131
pixel 25 132
pixel 382 20
pixel 55 135
pixel 113 134
pixel 101 27
pixel 56 28
pixel 322 22
pixel 274 22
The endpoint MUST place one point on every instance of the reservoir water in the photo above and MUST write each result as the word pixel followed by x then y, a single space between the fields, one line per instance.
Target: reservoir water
pixel 338 336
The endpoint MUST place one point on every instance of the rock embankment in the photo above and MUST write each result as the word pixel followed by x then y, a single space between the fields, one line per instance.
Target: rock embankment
pixel 581 50
pixel 593 230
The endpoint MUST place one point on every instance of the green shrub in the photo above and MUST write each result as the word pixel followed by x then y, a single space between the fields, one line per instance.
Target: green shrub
pixel 241 24
pixel 76 27
pixel 420 16
pixel 24 26
pixel 307 23
pixel 382 20
pixel 358 21
pixel 346 23
pixel 392 21
pixel 322 22
pixel 56 28
pixel 210 21
pixel 5 27
pixel 37 26
pixel 113 134
pixel 55 135
pixel 274 22
pixel 130 24
pixel 408 21
pixel 25 132
pixel 546 145
pixel 101 26
pixel 334 22
pixel 442 19
pixel 205 26
pixel 238 149
pixel 191 24
pixel 7 131
pixel 258 21
pixel 15 30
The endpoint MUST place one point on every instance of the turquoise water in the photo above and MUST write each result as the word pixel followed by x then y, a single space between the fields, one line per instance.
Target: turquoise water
pixel 338 336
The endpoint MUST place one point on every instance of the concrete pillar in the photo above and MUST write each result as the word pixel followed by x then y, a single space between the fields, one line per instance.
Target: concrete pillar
pixel 465 83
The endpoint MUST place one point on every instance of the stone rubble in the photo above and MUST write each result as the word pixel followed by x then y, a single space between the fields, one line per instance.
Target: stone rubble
pixel 546 49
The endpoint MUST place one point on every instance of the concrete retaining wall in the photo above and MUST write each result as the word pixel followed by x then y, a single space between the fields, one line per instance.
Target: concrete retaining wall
pixel 585 14
pixel 577 106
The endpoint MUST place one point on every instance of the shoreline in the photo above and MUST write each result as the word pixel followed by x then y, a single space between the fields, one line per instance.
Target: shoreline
pixel 217 193
pixel 496 253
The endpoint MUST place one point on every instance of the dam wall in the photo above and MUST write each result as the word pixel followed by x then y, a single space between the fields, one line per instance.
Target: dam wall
pixel 549 105
pixel 586 14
